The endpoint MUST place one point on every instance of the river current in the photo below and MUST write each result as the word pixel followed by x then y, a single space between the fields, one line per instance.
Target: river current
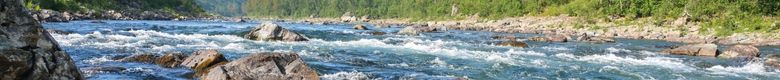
pixel 339 52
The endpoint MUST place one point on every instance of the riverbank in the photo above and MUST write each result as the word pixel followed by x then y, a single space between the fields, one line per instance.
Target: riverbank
pixel 679 30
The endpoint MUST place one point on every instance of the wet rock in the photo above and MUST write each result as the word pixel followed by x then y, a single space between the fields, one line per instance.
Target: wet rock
pixel 508 37
pixel 203 60
pixel 111 69
pixel 264 66
pixel 773 60
pixel 694 50
pixel 144 58
pixel 27 51
pixel 360 27
pixel 171 60
pixel 513 44
pixel 740 50
pixel 377 33
pixel 595 39
pixel 273 32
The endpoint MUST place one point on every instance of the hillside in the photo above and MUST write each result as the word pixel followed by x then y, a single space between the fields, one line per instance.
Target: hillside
pixel 175 7
pixel 725 17
pixel 222 7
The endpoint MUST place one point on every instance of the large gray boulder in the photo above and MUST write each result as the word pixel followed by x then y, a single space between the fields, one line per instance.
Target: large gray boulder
pixel 264 66
pixel 273 32
pixel 709 50
pixel 27 51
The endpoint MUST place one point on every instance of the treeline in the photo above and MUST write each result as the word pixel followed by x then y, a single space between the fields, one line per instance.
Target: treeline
pixel 183 7
pixel 223 7
pixel 724 16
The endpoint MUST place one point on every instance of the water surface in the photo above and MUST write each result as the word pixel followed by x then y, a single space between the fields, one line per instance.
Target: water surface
pixel 339 52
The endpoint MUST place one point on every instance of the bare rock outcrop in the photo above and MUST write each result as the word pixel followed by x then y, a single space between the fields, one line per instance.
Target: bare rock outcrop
pixel 203 60
pixel 264 66
pixel 27 51
pixel 273 32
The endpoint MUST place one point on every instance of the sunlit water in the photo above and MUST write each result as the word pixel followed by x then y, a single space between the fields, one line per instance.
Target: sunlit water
pixel 339 52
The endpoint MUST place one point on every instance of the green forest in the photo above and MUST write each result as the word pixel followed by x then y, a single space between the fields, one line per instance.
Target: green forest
pixel 230 8
pixel 725 16
pixel 182 7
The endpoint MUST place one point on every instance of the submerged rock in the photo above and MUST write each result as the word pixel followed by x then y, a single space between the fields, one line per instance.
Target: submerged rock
pixel 145 58
pixel 513 44
pixel 171 60
pixel 273 32
pixel 595 39
pixel 360 27
pixel 740 51
pixel 27 51
pixel 264 66
pixel 203 60
pixel 111 69
pixel 773 60
pixel 377 33
pixel 694 50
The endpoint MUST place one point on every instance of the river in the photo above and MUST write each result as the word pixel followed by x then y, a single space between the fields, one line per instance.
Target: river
pixel 339 52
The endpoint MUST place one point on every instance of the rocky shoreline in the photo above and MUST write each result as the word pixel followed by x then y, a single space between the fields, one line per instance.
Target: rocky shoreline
pixel 679 30
pixel 46 15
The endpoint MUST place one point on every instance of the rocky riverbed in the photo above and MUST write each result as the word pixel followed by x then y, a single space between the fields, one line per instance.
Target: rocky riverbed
pixel 340 51
pixel 676 30
pixel 359 49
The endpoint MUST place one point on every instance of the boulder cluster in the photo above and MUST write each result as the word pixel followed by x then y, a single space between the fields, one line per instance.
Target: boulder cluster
pixel 27 51
pixel 209 64
pixel 735 52
pixel 46 15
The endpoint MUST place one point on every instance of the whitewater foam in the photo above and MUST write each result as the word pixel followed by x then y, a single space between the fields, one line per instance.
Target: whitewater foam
pixel 354 75
pixel 750 68
pixel 98 60
pixel 665 62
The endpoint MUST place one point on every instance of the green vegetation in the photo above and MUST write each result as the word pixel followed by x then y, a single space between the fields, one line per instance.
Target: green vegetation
pixel 222 7
pixel 180 7
pixel 725 17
